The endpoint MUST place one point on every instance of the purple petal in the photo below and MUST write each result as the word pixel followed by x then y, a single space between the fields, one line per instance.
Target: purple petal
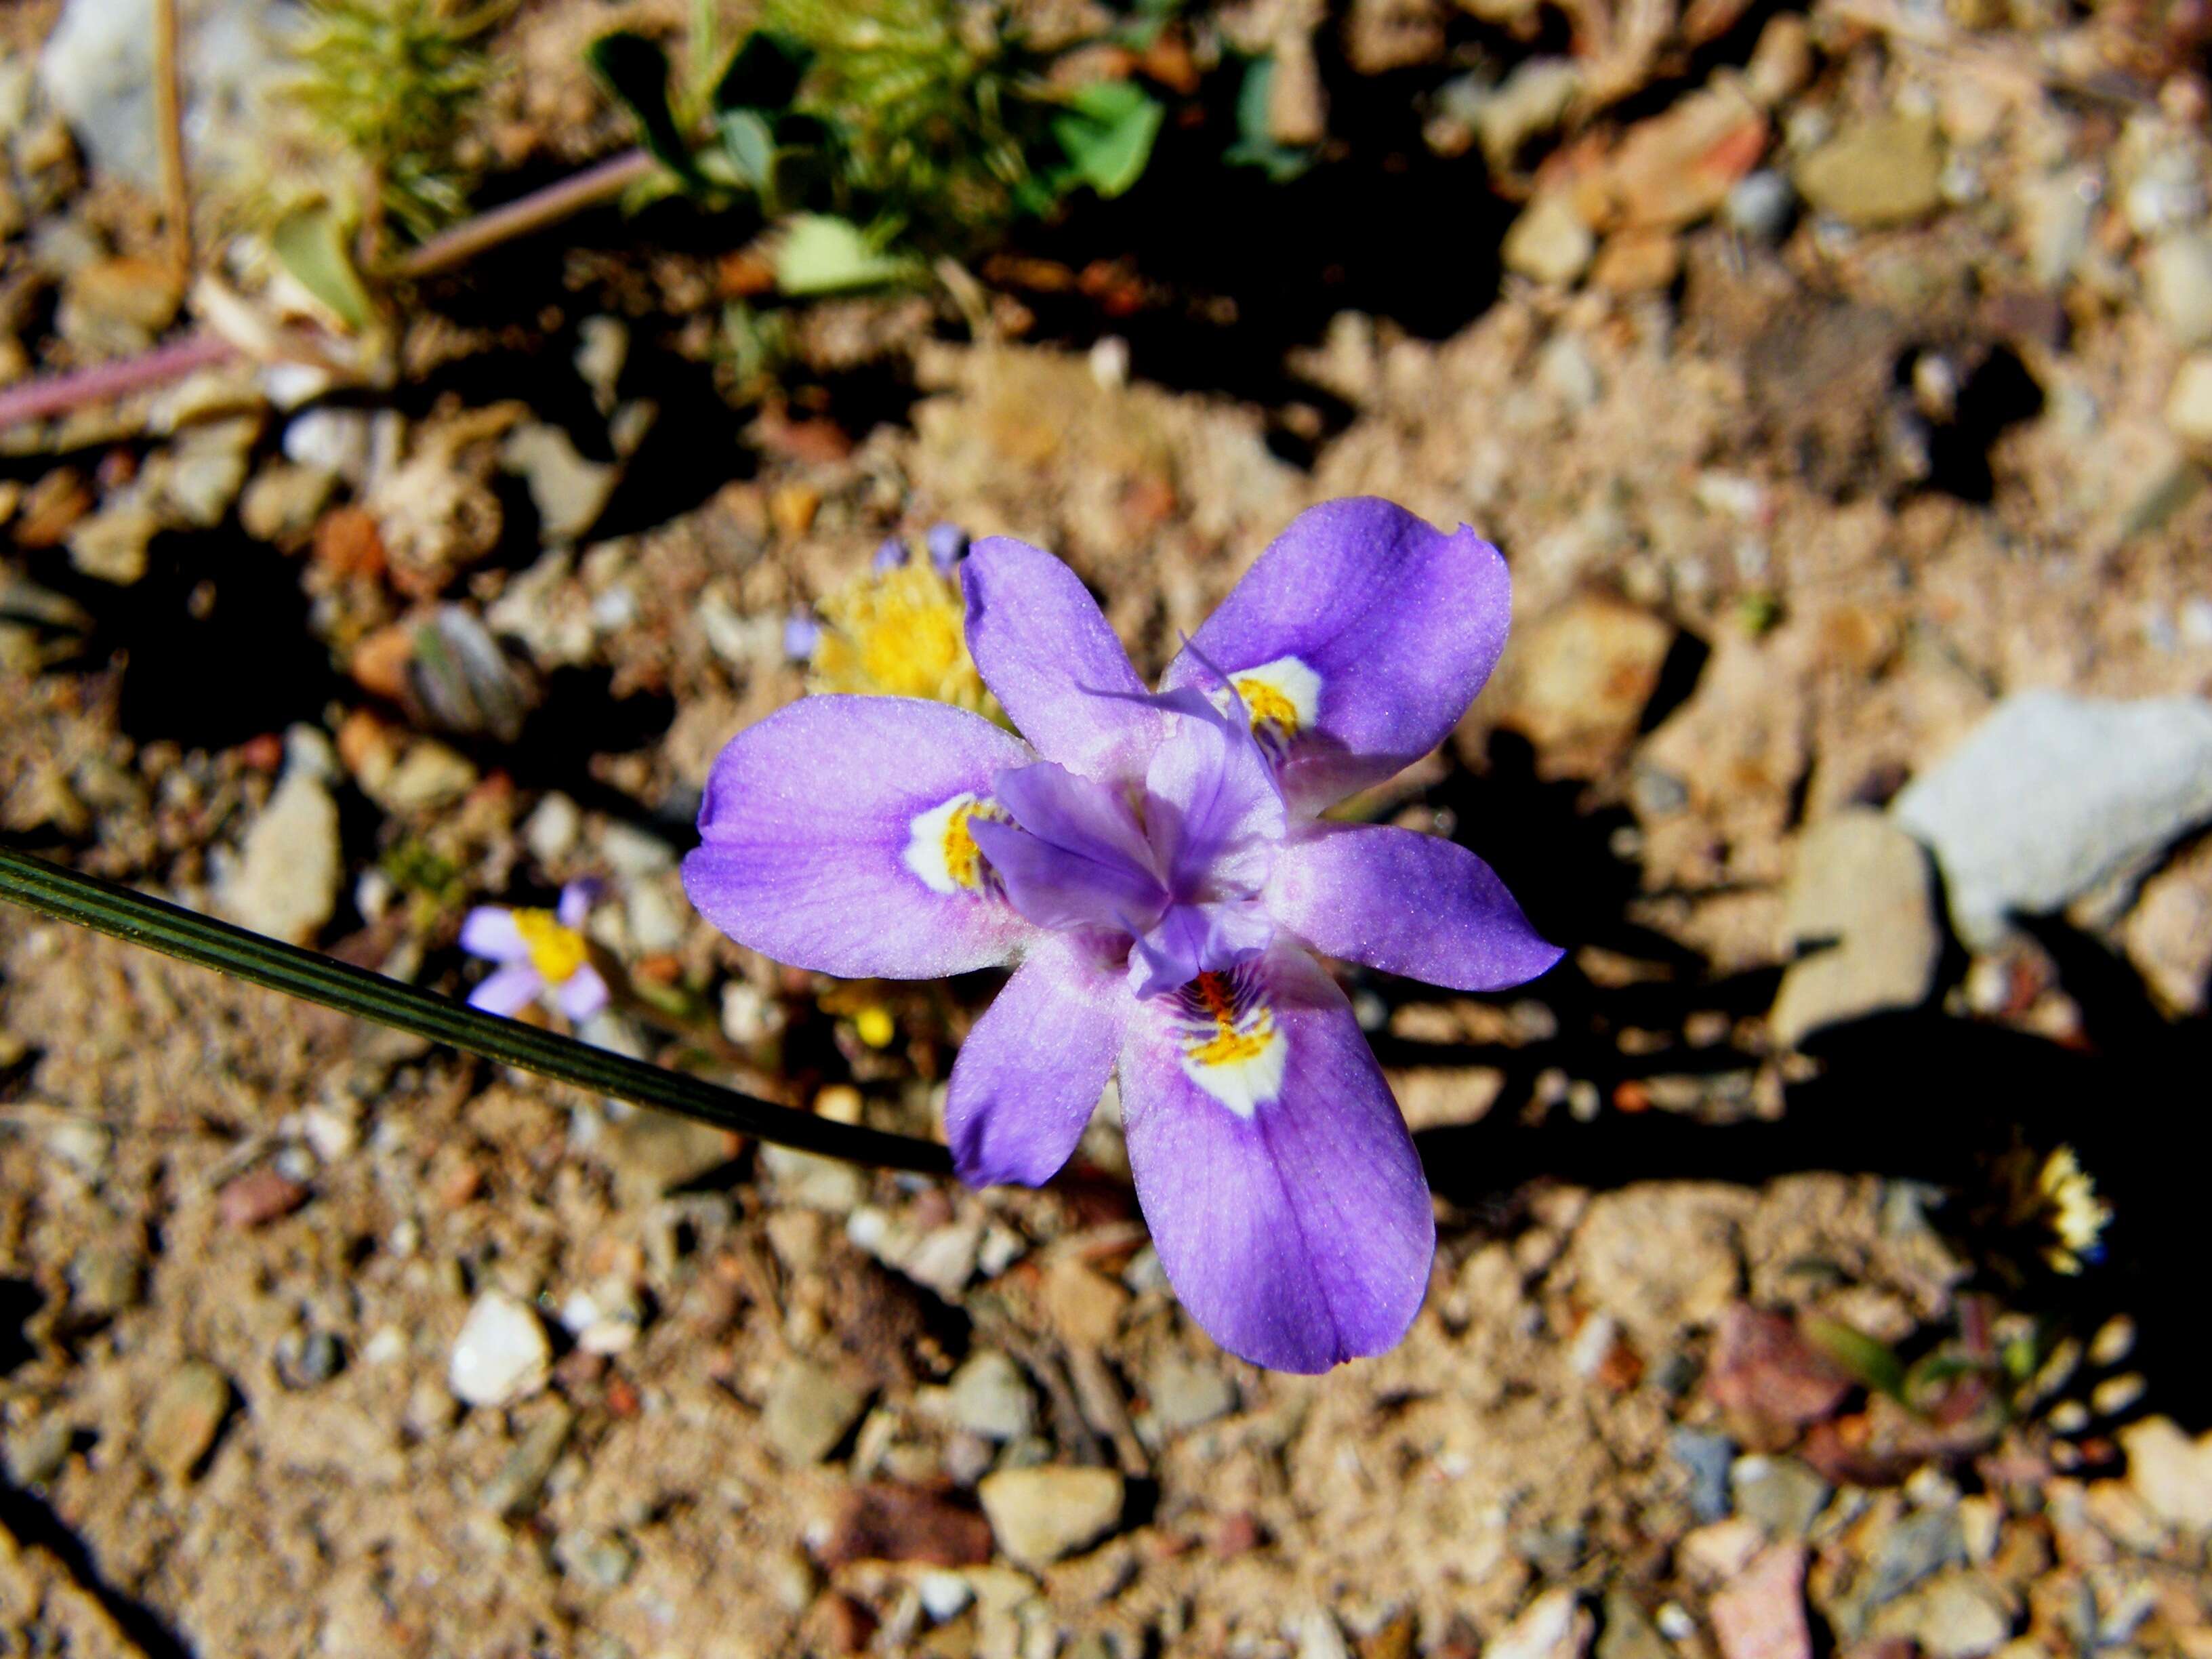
pixel 1408 904
pixel 1044 649
pixel 1075 855
pixel 890 556
pixel 1030 1073
pixel 580 995
pixel 801 634
pixel 1377 627
pixel 811 820
pixel 1213 807
pixel 508 991
pixel 1282 1192
pixel 488 931
pixel 947 543
pixel 576 901
pixel 1192 939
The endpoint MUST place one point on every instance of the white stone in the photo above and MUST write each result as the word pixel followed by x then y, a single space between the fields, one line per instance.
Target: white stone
pixel 2053 793
pixel 1555 1626
pixel 2189 405
pixel 290 865
pixel 2178 282
pixel 502 1354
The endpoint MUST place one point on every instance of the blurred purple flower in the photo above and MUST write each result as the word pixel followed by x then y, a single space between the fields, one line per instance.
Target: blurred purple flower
pixel 801 634
pixel 542 956
pixel 890 554
pixel 1157 867
pixel 947 543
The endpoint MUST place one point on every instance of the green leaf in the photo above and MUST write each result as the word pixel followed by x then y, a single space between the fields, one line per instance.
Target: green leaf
pixel 1255 146
pixel 763 73
pixel 1107 133
pixel 636 71
pixel 1872 1363
pixel 820 254
pixel 311 245
pixel 750 145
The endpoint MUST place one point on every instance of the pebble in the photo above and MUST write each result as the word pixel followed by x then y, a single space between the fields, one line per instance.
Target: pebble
pixel 110 545
pixel 600 1560
pixel 515 1489
pixel 2171 1473
pixel 1039 1515
pixel 989 1395
pixel 809 1411
pixel 1781 1494
pixel 1859 922
pixel 1761 1613
pixel 2189 405
pixel 1760 206
pixel 502 1354
pixel 113 307
pixel 602 349
pixel 1555 1626
pixel 1888 171
pixel 308 1359
pixel 2053 793
pixel 1629 1632
pixel 1707 1459
pixel 2178 284
pixel 105 1278
pixel 36 1452
pixel 1549 241
pixel 568 491
pixel 2168 934
pixel 1578 682
pixel 283 501
pixel 290 867
pixel 1677 168
pixel 181 1425
pixel 1959 1615
pixel 1904 1553
pixel 259 1195
pixel 944 1596
pixel 1185 1395
pixel 551 830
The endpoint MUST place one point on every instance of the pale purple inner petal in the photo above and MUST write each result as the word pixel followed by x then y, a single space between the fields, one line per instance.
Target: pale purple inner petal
pixel 488 931
pixel 509 991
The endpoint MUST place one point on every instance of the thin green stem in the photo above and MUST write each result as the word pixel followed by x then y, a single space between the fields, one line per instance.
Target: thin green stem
pixel 89 901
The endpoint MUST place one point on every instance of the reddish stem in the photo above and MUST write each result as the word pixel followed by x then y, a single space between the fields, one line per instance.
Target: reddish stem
pixel 34 400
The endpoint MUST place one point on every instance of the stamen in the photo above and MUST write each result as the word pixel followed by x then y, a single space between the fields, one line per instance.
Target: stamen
pixel 941 847
pixel 1283 699
pixel 1231 1047
pixel 556 952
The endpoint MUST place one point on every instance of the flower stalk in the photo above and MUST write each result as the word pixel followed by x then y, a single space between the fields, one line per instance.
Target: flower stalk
pixel 87 902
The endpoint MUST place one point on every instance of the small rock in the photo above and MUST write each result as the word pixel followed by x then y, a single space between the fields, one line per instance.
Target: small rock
pixel 1959 1615
pixel 1083 1306
pixel 1533 99
pixel 1760 206
pixel 889 1520
pixel 1039 1515
pixel 1859 899
pixel 944 1596
pixel 599 1560
pixel 652 1153
pixel 1762 1366
pixel 2171 1473
pixel 1913 1549
pixel 989 1395
pixel 502 1354
pixel 290 865
pixel 105 1278
pixel 181 1425
pixel 36 1452
pixel 1677 168
pixel 2168 934
pixel 282 502
pixel 1637 262
pixel 309 1359
pixel 1781 1494
pixel 551 829
pixel 2189 405
pixel 1555 1626
pixel 1549 241
pixel 1629 1632
pixel 196 480
pixel 110 545
pixel 113 307
pixel 1298 106
pixel 568 491
pixel 1782 63
pixel 1184 1395
pixel 2178 284
pixel 602 349
pixel 1761 1614
pixel 808 1412
pixel 259 1195
pixel 1888 171
pixel 1577 684
pixel 1707 1459
pixel 515 1490
pixel 2054 793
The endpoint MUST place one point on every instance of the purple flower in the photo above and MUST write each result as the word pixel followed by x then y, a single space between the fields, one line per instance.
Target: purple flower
pixel 801 634
pixel 1156 866
pixel 542 954
pixel 947 543
pixel 890 554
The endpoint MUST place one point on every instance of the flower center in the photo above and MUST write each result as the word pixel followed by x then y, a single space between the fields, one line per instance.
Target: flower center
pixel 1231 1047
pixel 1282 698
pixel 941 846
pixel 556 952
